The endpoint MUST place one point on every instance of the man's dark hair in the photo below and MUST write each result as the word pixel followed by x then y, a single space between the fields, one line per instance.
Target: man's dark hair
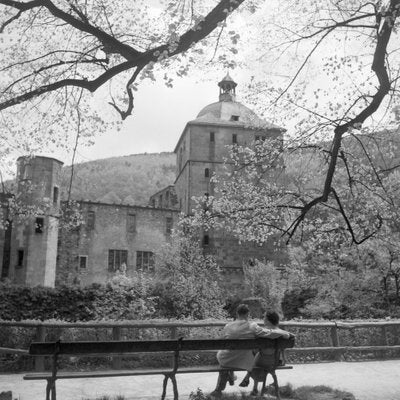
pixel 242 309
pixel 272 317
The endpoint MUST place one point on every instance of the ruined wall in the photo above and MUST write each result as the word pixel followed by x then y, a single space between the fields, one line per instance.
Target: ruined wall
pixel 119 228
pixel 5 236
pixel 35 228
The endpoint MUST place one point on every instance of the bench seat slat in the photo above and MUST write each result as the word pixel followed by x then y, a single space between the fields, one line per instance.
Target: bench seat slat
pixel 129 372
pixel 95 374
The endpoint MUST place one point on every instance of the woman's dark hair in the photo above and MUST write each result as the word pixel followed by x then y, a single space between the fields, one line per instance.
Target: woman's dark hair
pixel 272 317
pixel 242 309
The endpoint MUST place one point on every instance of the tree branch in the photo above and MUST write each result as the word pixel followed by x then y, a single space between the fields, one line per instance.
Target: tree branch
pixel 125 114
pixel 379 67
pixel 135 59
pixel 16 16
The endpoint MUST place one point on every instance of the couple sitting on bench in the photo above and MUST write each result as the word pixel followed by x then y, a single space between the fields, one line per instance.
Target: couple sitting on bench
pixel 264 360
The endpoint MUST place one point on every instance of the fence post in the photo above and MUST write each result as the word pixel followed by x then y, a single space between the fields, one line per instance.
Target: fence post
pixel 40 337
pixel 116 335
pixel 173 332
pixel 173 335
pixel 335 340
pixel 384 341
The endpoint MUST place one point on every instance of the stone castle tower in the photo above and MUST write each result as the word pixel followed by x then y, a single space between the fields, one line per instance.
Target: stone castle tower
pixel 200 152
pixel 33 250
pixel 202 147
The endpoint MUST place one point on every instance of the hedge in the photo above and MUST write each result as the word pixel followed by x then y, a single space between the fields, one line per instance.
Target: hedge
pixel 95 302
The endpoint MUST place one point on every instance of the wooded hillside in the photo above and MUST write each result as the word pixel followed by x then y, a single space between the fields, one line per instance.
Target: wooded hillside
pixel 129 179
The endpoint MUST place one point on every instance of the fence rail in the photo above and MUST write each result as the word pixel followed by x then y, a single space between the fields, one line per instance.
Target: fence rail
pixel 116 327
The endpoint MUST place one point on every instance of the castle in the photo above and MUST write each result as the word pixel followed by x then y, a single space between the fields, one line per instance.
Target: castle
pixel 36 250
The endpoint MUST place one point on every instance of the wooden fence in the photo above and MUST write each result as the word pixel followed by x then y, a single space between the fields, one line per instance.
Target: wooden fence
pixel 386 333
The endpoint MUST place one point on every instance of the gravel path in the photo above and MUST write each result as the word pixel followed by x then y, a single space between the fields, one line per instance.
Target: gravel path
pixel 374 380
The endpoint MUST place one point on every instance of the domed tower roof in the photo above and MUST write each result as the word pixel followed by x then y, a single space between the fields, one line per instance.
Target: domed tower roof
pixel 228 111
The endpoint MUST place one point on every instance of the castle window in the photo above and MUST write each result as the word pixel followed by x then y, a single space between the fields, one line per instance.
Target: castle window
pixel 131 223
pixel 144 260
pixel 235 118
pixel 207 173
pixel 39 225
pixel 91 218
pixel 20 258
pixel 169 225
pixel 83 262
pixel 55 194
pixel 116 258
pixel 234 138
pixel 26 170
pixel 212 136
pixel 206 240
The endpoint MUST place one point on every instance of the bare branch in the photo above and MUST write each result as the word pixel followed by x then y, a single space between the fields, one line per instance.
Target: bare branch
pixel 379 67
pixel 348 223
pixel 16 16
pixel 303 64
pixel 125 114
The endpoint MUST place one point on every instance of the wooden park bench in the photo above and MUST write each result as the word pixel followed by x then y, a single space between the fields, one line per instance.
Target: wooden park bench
pixel 124 348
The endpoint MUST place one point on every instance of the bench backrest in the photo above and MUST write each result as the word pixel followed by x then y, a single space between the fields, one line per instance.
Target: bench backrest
pixel 148 346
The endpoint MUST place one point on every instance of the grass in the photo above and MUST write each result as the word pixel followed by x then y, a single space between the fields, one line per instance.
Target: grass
pixel 320 392
pixel 105 397
pixel 287 392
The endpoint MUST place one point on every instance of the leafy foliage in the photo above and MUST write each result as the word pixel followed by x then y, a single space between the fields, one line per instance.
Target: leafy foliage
pixel 189 282
pixel 265 281
pixel 345 282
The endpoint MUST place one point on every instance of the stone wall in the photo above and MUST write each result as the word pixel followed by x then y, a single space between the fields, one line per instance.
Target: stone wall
pixel 110 227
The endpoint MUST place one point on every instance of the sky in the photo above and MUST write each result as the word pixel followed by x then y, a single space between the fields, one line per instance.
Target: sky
pixel 158 119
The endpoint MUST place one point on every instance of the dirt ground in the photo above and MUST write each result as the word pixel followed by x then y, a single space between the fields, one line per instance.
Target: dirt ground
pixel 373 380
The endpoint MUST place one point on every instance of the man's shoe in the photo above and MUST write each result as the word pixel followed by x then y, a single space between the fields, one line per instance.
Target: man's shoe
pixel 254 392
pixel 245 382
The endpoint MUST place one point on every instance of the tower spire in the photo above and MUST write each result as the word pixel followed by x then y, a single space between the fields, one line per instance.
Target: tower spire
pixel 227 89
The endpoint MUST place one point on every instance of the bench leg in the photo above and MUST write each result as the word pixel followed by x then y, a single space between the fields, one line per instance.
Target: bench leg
pixel 48 389
pixel 276 386
pixel 164 390
pixel 175 387
pixel 51 389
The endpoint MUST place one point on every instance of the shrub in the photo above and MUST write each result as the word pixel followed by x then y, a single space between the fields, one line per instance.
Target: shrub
pixel 188 282
pixel 295 300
